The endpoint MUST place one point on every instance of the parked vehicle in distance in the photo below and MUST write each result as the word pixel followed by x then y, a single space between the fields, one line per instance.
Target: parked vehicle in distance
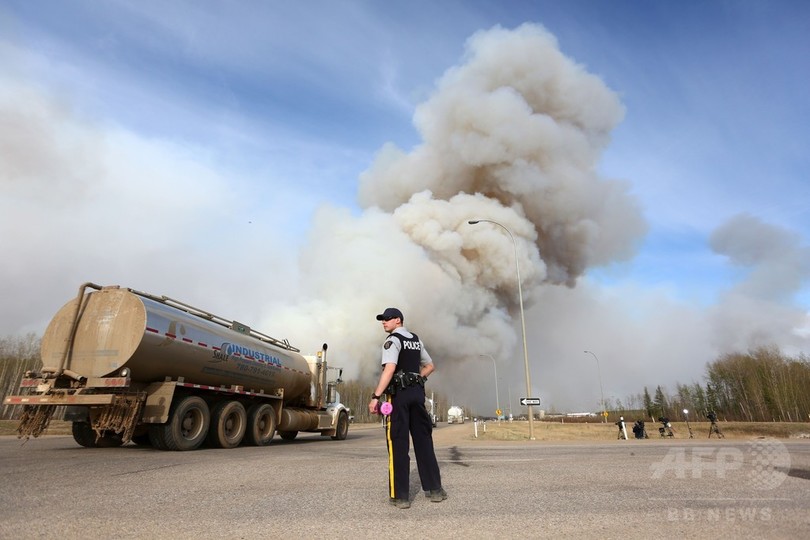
pixel 455 415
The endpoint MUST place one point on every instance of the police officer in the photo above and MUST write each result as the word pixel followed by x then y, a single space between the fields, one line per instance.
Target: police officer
pixel 406 365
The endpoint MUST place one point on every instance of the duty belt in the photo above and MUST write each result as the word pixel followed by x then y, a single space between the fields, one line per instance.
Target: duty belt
pixel 404 379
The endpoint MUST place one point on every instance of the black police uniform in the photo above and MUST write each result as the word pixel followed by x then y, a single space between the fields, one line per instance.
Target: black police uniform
pixel 409 415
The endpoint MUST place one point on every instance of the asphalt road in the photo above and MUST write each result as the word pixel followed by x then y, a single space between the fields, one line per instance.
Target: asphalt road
pixel 315 487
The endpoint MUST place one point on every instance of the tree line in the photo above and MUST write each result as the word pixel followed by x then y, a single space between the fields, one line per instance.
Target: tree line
pixel 18 354
pixel 762 385
pixel 356 394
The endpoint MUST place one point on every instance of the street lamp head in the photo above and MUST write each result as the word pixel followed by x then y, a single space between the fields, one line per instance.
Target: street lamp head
pixel 686 411
pixel 473 221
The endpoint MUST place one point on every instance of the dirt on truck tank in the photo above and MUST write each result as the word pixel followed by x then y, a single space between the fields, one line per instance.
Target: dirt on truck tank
pixel 118 329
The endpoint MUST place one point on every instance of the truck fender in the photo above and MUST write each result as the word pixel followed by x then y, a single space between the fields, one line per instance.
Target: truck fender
pixel 158 402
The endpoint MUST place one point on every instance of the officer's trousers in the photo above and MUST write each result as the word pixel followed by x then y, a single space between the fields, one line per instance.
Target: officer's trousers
pixel 410 417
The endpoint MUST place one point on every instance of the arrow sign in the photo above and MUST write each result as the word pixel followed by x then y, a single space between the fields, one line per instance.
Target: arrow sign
pixel 530 401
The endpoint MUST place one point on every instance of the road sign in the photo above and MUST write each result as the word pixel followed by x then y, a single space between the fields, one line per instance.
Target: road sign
pixel 530 401
pixel 498 412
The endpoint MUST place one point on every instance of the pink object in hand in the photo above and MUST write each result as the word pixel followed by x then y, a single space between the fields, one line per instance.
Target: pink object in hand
pixel 386 408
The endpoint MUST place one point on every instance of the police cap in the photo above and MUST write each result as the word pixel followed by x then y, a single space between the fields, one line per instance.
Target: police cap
pixel 390 313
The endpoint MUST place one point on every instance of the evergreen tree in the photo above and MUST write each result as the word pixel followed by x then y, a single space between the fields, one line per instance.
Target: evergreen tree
pixel 698 400
pixel 648 404
pixel 711 398
pixel 660 401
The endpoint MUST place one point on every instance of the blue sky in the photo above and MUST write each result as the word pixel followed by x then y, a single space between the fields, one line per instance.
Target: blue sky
pixel 231 125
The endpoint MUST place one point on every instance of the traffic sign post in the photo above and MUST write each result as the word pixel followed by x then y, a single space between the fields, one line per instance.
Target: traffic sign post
pixel 528 401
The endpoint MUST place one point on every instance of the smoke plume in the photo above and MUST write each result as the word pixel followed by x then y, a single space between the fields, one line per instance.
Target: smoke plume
pixel 759 310
pixel 513 135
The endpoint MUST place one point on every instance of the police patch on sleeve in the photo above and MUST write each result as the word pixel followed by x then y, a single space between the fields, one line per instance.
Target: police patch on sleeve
pixel 387 345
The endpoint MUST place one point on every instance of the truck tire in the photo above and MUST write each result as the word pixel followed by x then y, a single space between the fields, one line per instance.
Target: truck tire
pixel 228 425
pixel 261 425
pixel 110 440
pixel 84 435
pixel 288 435
pixel 186 428
pixel 342 428
pixel 142 439
pixel 156 437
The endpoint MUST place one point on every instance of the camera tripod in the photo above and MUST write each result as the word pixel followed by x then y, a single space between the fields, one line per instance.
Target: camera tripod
pixel 714 428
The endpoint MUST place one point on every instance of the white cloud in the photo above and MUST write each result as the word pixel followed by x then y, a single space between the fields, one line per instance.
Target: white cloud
pixel 85 202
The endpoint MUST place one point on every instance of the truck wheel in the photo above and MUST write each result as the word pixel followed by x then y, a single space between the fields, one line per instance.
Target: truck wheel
pixel 288 435
pixel 261 425
pixel 228 424
pixel 342 428
pixel 84 434
pixel 156 437
pixel 142 439
pixel 186 428
pixel 110 440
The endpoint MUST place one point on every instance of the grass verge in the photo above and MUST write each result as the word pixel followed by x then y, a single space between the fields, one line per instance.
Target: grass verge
pixel 56 427
pixel 556 431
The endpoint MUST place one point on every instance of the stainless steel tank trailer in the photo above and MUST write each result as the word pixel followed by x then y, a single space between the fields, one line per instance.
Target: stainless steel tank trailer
pixel 131 366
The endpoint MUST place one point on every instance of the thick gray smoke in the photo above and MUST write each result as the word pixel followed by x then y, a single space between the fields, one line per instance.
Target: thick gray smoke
pixel 512 135
pixel 646 337
pixel 759 311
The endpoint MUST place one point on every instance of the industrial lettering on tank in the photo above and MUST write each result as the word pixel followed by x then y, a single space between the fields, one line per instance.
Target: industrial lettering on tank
pixel 233 349
pixel 412 345
pixel 219 356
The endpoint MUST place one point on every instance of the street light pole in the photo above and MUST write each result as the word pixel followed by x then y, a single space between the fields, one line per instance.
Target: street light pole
pixel 497 399
pixel 601 392
pixel 522 320
pixel 510 402
pixel 686 412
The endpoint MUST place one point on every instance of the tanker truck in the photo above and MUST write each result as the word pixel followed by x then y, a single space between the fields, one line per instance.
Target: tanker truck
pixel 131 366
pixel 455 415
